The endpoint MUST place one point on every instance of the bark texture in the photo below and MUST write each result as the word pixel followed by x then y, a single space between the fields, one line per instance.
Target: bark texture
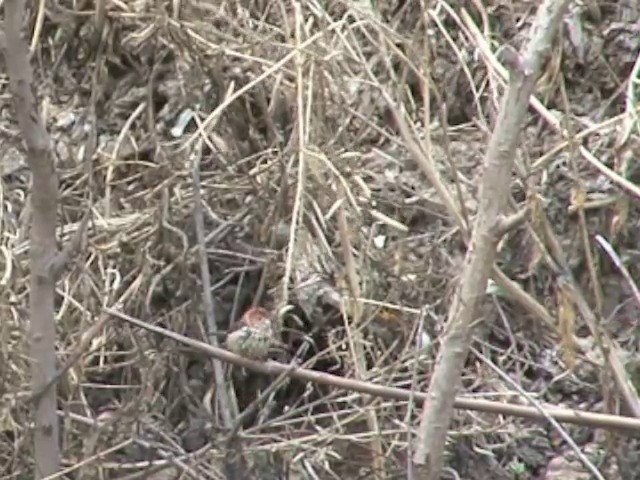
pixel 445 380
pixel 43 248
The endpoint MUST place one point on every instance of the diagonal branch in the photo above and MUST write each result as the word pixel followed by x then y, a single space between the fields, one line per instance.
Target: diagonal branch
pixel 576 417
pixel 445 380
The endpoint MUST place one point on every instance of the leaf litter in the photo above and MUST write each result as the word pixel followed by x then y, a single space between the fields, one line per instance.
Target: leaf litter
pixel 291 107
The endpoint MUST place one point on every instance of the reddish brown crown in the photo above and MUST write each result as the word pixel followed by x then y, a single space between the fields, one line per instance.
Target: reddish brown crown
pixel 253 335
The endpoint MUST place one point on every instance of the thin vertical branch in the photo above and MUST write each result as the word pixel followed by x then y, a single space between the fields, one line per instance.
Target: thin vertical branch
pixel 223 394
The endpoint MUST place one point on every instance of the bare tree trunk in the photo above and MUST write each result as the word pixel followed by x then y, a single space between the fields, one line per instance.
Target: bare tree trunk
pixel 488 228
pixel 43 249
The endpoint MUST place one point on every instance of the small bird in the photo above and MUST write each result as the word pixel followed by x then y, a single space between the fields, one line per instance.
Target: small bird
pixel 253 335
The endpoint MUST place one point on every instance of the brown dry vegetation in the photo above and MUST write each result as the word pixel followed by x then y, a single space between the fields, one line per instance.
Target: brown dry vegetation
pixel 310 128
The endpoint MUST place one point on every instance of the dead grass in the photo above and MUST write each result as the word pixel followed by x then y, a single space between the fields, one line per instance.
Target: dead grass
pixel 296 128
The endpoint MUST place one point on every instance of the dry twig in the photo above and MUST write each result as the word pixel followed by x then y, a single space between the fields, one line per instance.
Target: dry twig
pixel 577 417
pixel 224 395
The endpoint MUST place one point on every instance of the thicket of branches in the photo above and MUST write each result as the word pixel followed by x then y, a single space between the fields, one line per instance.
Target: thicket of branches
pixel 380 180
